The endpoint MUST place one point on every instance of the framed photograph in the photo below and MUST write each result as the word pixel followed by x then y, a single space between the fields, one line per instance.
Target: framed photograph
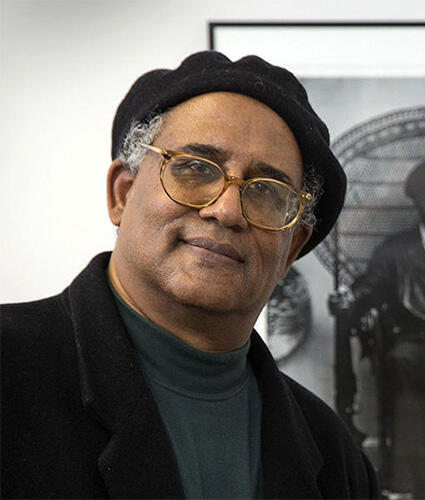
pixel 367 82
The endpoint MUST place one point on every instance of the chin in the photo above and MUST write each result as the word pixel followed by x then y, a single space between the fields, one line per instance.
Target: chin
pixel 216 298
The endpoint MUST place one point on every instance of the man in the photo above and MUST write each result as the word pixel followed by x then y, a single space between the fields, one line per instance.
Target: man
pixel 394 285
pixel 396 275
pixel 143 379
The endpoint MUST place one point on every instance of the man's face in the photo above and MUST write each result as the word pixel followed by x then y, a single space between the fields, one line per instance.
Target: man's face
pixel 210 258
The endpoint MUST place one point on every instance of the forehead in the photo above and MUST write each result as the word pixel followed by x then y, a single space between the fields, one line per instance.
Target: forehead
pixel 246 128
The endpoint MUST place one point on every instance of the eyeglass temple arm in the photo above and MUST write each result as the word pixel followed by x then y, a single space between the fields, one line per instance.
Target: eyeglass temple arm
pixel 162 152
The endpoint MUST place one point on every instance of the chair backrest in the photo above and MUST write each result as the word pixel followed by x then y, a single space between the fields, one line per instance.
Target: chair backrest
pixel 377 157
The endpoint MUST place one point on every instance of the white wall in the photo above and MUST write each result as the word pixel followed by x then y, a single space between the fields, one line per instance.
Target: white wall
pixel 64 66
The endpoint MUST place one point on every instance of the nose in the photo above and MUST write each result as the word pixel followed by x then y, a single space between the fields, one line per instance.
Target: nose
pixel 227 209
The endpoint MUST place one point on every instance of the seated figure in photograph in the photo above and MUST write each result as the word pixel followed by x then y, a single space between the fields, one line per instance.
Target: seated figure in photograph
pixel 394 285
pixel 145 378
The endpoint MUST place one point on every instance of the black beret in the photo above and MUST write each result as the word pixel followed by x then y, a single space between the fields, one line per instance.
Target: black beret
pixel 211 71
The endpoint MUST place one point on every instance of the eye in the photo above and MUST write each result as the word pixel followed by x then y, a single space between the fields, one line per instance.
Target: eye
pixel 192 165
pixel 269 193
pixel 192 169
pixel 261 188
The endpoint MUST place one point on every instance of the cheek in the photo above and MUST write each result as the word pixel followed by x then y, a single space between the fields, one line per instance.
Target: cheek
pixel 139 217
pixel 285 252
pixel 150 216
pixel 147 200
pixel 275 260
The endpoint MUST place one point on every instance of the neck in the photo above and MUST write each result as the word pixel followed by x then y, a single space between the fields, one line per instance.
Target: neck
pixel 208 331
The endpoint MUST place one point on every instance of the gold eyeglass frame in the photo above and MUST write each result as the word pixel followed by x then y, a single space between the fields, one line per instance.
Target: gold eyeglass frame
pixel 167 155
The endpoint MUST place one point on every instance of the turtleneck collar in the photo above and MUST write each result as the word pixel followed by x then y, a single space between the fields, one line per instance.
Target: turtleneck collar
pixel 180 367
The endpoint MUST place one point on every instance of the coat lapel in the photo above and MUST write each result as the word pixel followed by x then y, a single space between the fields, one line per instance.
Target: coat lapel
pixel 138 461
pixel 291 460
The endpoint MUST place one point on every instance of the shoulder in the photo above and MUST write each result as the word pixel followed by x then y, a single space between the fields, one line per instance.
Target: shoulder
pixel 29 323
pixel 40 372
pixel 37 342
pixel 20 312
pixel 343 460
pixel 47 431
pixel 39 369
pixel 321 420
pixel 50 318
pixel 314 409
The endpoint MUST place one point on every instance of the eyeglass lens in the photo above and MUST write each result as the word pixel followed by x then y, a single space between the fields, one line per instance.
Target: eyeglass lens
pixel 196 182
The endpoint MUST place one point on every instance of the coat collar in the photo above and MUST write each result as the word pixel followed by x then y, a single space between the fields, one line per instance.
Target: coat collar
pixel 291 460
pixel 138 461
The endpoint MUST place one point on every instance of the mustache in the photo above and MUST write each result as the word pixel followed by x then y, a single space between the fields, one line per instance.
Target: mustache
pixel 219 247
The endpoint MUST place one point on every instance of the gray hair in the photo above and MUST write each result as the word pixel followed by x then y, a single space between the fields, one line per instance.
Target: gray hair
pixel 132 154
pixel 313 184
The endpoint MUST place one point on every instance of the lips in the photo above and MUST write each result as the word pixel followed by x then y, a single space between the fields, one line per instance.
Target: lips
pixel 215 247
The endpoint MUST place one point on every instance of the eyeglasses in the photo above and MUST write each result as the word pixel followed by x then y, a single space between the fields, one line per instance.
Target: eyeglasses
pixel 196 182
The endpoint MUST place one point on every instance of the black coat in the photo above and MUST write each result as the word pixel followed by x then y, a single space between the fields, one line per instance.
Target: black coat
pixel 395 276
pixel 79 420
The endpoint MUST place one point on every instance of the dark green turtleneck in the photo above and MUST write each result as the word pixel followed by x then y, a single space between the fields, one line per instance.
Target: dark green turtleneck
pixel 211 407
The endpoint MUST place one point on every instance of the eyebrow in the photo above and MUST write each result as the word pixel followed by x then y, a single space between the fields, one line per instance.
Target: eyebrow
pixel 220 156
pixel 266 170
pixel 208 151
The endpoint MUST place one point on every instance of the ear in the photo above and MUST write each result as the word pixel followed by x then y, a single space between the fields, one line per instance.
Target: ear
pixel 119 183
pixel 301 234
